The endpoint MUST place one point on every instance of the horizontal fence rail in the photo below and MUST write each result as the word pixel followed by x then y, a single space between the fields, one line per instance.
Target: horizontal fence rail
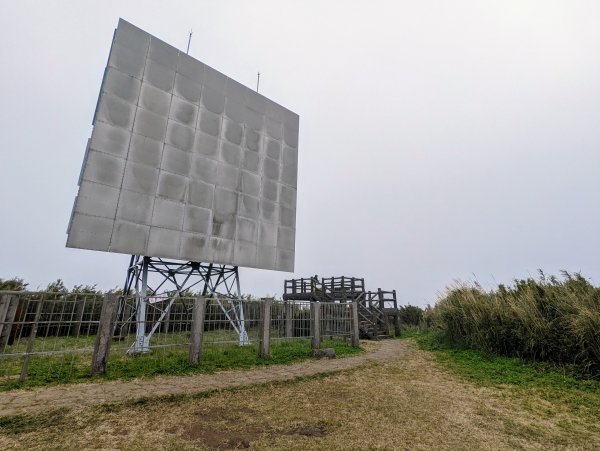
pixel 49 337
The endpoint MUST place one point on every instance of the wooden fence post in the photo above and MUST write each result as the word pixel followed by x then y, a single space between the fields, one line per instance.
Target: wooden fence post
pixel 289 319
pixel 397 330
pixel 8 310
pixel 264 344
pixel 4 303
pixel 164 327
pixel 104 335
pixel 386 318
pixel 197 329
pixel 355 325
pixel 34 328
pixel 315 324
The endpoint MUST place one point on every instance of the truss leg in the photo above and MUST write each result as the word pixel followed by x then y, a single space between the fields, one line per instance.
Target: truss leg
pixel 221 282
pixel 142 341
pixel 234 312
pixel 243 334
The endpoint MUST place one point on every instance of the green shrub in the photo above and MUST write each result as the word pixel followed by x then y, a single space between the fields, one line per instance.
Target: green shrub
pixel 410 315
pixel 15 284
pixel 545 319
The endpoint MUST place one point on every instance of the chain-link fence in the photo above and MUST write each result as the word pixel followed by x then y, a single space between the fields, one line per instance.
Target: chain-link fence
pixel 51 337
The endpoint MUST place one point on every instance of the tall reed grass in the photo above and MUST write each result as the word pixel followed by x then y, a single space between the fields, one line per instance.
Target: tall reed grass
pixel 546 319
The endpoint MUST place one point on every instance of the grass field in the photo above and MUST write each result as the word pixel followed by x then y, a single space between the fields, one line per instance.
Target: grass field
pixel 554 384
pixel 219 352
pixel 431 397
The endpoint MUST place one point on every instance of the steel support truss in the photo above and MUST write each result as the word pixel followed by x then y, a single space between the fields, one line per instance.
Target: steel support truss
pixel 156 283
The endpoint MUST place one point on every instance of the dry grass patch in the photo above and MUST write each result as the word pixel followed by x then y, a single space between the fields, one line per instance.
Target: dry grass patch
pixel 408 403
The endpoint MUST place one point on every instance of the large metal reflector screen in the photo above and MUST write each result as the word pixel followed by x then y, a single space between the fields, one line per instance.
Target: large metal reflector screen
pixel 186 163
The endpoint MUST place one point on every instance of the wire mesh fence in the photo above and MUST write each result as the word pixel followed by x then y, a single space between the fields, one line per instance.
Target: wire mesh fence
pixel 46 335
pixel 166 325
pixel 336 320
pixel 50 337
pixel 226 319
pixel 290 320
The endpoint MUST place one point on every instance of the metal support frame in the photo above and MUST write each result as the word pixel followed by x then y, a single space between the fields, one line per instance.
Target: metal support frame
pixel 221 283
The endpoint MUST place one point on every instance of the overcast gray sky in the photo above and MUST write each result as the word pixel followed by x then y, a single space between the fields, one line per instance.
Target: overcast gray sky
pixel 439 140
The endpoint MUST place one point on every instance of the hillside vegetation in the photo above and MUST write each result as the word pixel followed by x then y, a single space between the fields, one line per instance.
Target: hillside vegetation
pixel 545 319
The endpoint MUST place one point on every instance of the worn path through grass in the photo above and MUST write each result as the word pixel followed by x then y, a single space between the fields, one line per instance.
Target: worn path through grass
pixel 39 400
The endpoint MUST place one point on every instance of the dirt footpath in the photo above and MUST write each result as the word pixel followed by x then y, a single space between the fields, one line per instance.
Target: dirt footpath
pixel 88 394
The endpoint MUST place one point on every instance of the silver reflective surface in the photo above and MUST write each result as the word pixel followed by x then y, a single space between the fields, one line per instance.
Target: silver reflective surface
pixel 186 163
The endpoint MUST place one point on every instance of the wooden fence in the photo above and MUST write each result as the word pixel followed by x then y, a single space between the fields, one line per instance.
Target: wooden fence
pixel 35 324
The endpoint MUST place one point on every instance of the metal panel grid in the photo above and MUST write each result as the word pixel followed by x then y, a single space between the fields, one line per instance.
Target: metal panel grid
pixel 186 163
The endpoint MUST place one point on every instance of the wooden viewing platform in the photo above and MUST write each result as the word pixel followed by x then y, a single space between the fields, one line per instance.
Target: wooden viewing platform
pixel 377 310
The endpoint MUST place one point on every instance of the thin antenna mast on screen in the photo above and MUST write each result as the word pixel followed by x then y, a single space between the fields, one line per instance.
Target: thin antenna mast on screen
pixel 189 41
pixel 257 81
